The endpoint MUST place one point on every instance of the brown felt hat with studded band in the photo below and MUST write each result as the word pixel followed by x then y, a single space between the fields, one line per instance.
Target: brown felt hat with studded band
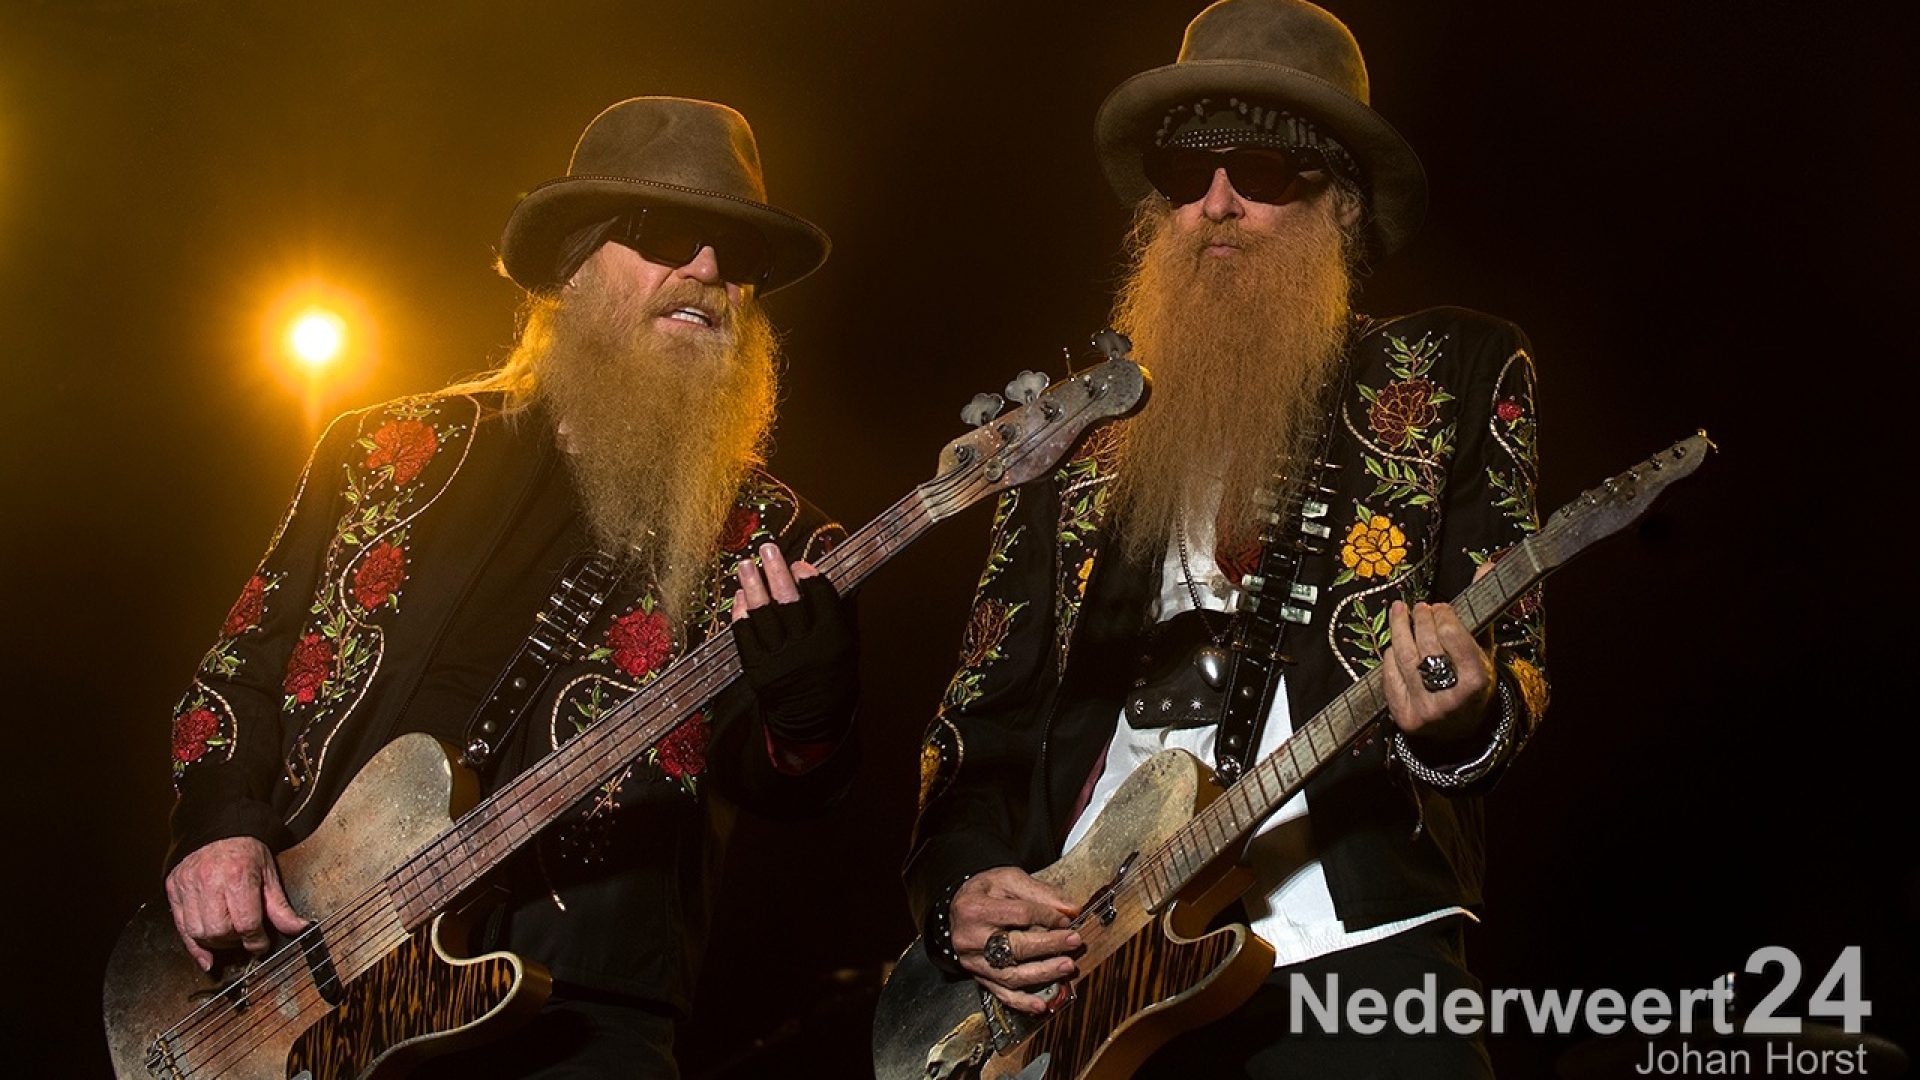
pixel 656 151
pixel 1287 54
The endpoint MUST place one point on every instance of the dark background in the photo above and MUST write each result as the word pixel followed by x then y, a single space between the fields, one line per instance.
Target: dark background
pixel 1699 211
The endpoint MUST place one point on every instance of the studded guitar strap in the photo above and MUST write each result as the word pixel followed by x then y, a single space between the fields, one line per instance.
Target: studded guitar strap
pixel 557 638
pixel 1274 598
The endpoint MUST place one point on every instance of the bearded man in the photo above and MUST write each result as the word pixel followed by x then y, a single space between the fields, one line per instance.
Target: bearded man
pixel 1305 484
pixel 620 445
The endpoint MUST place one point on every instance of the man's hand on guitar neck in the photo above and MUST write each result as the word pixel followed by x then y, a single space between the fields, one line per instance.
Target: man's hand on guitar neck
pixel 1456 712
pixel 226 894
pixel 799 652
pixel 1033 915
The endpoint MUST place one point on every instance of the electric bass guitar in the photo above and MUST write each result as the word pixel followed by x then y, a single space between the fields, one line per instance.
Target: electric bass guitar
pixel 1161 861
pixel 379 981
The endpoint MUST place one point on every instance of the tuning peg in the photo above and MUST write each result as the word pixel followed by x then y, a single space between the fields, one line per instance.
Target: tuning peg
pixel 981 409
pixel 1112 344
pixel 1026 387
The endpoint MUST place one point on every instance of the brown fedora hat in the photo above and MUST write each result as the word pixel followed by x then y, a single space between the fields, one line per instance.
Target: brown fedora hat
pixel 1272 52
pixel 657 151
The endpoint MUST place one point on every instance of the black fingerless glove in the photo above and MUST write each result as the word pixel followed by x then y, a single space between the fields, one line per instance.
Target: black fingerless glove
pixel 802 661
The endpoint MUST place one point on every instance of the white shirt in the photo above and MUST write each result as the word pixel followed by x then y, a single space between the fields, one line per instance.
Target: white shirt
pixel 1288 904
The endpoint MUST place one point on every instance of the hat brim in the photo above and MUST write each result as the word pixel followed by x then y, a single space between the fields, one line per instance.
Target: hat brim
pixel 549 214
pixel 1131 115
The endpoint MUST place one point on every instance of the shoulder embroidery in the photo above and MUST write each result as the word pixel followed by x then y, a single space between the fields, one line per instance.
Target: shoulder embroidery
pixel 1406 434
pixel 407 455
pixel 1085 483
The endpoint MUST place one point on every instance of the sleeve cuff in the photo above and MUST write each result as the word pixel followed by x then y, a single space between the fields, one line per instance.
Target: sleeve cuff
pixel 1478 768
pixel 196 826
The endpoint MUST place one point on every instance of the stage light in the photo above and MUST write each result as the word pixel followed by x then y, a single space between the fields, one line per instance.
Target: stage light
pixel 317 337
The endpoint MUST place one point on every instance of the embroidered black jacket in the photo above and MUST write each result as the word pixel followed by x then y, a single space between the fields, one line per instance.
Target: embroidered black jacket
pixel 424 536
pixel 1436 467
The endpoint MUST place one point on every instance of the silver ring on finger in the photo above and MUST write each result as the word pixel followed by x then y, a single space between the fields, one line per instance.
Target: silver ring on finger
pixel 998 951
pixel 1437 674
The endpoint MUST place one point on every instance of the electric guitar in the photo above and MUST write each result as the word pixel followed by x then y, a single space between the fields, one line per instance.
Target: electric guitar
pixel 379 981
pixel 1161 861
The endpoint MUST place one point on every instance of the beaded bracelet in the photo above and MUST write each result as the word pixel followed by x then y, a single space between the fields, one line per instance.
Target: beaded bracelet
pixel 1470 772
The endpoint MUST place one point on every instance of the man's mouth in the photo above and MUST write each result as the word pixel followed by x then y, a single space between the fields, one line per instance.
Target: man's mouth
pixel 687 313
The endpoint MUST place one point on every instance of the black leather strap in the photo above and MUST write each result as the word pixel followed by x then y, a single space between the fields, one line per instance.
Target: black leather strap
pixel 556 638
pixel 1274 598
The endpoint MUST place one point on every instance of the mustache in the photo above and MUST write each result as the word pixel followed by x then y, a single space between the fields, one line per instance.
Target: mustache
pixel 1229 232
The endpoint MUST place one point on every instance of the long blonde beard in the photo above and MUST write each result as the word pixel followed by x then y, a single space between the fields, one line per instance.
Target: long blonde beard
pixel 661 428
pixel 1238 347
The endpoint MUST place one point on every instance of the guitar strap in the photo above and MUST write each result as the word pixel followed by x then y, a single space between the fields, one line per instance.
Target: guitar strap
pixel 557 638
pixel 1274 598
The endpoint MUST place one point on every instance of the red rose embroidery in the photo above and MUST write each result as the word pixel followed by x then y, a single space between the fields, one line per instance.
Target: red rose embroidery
pixel 308 667
pixel 380 573
pixel 1509 410
pixel 640 642
pixel 407 445
pixel 244 615
pixel 683 753
pixel 1401 409
pixel 739 529
pixel 1238 560
pixel 191 730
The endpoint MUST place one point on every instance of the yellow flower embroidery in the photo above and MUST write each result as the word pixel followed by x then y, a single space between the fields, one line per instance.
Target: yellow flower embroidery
pixel 1373 547
pixel 929 771
pixel 1086 568
pixel 1533 685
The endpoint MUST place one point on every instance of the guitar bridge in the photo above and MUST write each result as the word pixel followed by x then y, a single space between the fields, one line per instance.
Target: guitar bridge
pixel 160 1062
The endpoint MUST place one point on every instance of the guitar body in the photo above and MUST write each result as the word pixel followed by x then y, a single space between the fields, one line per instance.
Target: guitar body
pixel 407 997
pixel 1145 977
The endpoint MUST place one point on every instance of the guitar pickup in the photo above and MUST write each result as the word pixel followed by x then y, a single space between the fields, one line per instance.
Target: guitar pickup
pixel 320 966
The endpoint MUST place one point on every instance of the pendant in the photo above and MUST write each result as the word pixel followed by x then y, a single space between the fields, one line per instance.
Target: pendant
pixel 1212 662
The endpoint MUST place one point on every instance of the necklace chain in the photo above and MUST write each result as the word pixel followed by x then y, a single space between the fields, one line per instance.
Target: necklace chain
pixel 1193 588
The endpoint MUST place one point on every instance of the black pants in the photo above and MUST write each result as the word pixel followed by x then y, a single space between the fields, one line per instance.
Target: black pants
pixel 1257 1043
pixel 579 1035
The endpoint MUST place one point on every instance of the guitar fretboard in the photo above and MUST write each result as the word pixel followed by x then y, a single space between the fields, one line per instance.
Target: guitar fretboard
pixel 1280 775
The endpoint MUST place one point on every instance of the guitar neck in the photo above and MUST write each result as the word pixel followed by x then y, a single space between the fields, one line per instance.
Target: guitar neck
pixel 1016 448
pixel 1279 776
pixel 500 825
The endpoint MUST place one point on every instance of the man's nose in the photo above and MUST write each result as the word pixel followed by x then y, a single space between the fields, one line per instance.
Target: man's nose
pixel 1221 202
pixel 704 267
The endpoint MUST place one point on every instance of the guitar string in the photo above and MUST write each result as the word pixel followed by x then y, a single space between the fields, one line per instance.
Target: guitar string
pixel 884 532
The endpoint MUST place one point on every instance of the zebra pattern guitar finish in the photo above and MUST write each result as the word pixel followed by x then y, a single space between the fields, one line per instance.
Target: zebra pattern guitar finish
pixel 412 993
pixel 1149 973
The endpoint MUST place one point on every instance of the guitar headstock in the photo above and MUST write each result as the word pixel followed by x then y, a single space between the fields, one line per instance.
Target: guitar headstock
pixel 1027 443
pixel 1618 502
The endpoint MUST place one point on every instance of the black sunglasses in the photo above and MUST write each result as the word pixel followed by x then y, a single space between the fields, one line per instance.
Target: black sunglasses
pixel 674 238
pixel 1261 173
